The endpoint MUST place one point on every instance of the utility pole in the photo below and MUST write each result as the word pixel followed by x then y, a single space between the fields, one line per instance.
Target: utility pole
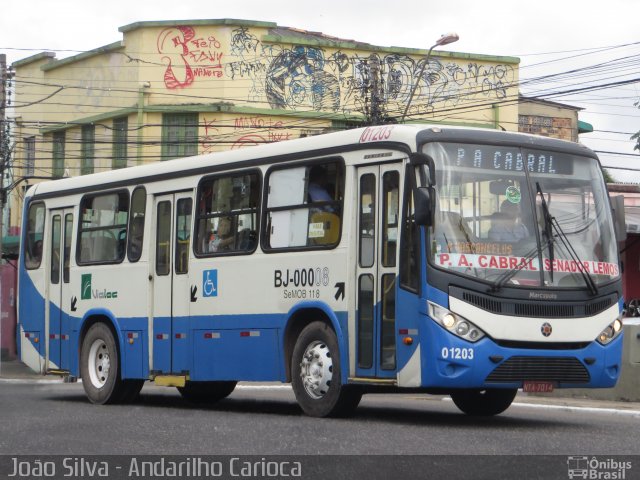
pixel 4 140
pixel 4 143
pixel 377 92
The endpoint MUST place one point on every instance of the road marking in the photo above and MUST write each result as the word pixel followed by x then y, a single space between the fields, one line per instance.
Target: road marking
pixel 569 408
pixel 264 387
pixel 29 381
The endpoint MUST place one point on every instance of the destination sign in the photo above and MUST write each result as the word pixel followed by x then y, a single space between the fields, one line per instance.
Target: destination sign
pixel 509 159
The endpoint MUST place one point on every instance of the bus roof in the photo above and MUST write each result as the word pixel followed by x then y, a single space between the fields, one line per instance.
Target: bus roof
pixel 383 136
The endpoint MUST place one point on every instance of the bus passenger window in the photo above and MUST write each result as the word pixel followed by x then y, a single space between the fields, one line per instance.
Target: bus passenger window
pixel 163 239
pixel 304 206
pixel 183 235
pixel 391 209
pixel 55 249
pixel 33 236
pixel 410 240
pixel 227 214
pixel 102 233
pixel 136 223
pixel 367 220
pixel 68 230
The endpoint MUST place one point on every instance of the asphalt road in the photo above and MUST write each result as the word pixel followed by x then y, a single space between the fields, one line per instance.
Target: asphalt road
pixel 55 418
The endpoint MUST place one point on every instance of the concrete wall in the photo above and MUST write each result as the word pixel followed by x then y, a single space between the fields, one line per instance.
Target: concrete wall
pixel 8 311
pixel 249 82
pixel 628 387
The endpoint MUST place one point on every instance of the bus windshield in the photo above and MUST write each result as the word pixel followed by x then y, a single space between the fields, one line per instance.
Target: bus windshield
pixel 518 216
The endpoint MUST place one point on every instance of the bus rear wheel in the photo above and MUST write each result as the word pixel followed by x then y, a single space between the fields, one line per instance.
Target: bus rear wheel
pixel 488 402
pixel 316 374
pixel 206 392
pixel 100 368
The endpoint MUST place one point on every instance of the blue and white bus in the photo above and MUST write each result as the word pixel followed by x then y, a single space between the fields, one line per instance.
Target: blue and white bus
pixel 392 258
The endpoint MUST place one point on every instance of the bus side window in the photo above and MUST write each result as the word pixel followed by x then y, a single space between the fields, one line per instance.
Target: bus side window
pixel 56 228
pixel 227 214
pixel 102 230
pixel 136 223
pixel 183 235
pixel 409 239
pixel 34 236
pixel 304 207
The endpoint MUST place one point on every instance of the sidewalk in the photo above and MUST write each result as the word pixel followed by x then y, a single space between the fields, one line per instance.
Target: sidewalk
pixel 16 370
pixel 576 402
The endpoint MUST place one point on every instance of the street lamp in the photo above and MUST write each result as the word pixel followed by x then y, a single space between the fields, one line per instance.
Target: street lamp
pixel 445 39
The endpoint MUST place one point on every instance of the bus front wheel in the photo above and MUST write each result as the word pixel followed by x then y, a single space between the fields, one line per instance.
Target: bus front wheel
pixel 100 368
pixel 316 374
pixel 484 402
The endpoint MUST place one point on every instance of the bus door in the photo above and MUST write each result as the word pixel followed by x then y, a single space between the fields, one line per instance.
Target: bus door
pixel 377 245
pixel 171 234
pixel 59 295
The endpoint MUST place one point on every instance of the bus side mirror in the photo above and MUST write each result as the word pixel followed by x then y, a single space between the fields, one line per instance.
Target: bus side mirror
pixel 619 220
pixel 422 197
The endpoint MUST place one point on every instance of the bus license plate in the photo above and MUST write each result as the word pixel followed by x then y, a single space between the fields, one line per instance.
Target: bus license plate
pixel 537 387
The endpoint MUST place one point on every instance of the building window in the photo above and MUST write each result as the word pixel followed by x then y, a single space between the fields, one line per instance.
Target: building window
pixel 58 154
pixel 120 138
pixel 179 135
pixel 88 149
pixel 29 156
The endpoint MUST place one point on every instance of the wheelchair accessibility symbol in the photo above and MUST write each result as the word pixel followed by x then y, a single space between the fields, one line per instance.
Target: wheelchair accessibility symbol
pixel 210 283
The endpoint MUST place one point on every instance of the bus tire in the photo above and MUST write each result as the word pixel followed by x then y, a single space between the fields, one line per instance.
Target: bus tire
pixel 316 374
pixel 485 403
pixel 206 392
pixel 100 366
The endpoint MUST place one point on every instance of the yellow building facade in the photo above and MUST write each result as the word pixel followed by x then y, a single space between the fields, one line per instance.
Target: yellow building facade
pixel 178 88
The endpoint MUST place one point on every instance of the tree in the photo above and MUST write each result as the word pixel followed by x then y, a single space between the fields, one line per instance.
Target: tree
pixel 608 178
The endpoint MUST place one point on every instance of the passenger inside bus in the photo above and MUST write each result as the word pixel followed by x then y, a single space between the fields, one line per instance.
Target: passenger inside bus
pixel 136 236
pixel 506 225
pixel 223 239
pixel 318 188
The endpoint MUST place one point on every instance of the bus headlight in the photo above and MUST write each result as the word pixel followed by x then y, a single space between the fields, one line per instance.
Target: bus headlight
pixel 454 323
pixel 611 332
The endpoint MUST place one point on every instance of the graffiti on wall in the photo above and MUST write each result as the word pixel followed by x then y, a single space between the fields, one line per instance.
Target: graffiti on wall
pixel 188 56
pixel 309 78
pixel 209 137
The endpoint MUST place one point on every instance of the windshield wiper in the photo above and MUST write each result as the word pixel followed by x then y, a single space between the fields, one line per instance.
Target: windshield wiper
pixel 551 223
pixel 506 276
pixel 548 227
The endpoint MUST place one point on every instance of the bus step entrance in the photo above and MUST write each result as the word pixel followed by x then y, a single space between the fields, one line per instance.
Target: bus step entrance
pixel 171 380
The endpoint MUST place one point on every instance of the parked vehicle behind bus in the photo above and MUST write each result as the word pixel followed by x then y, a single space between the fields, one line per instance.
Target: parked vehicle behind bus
pixel 346 263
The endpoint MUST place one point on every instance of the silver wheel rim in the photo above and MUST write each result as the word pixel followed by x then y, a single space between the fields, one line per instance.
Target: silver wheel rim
pixel 99 363
pixel 316 369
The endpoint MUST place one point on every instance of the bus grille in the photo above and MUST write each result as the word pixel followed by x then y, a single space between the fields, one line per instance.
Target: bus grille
pixel 544 310
pixel 534 309
pixel 551 369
